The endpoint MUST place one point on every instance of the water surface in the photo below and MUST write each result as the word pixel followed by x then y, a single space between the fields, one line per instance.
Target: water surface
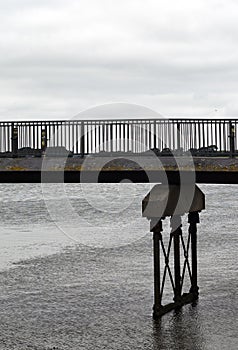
pixel 91 286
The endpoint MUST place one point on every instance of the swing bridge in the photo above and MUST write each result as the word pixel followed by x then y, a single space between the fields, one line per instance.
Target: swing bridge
pixel 25 144
pixel 210 143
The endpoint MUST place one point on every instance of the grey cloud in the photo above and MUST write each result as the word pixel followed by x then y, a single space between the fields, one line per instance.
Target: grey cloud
pixel 58 57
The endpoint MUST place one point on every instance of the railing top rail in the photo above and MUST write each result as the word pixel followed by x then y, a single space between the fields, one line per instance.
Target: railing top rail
pixel 121 121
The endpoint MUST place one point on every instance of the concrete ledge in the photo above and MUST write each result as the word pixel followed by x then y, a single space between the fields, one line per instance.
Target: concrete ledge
pixel 133 168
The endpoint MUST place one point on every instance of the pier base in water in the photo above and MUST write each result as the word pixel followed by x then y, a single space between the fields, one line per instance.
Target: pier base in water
pixel 177 244
pixel 165 202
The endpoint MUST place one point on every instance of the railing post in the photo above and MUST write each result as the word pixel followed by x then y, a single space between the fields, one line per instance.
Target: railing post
pixel 232 139
pixel 111 138
pixel 155 136
pixel 178 136
pixel 14 140
pixel 82 140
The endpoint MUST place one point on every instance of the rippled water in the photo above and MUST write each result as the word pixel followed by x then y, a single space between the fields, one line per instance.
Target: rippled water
pixel 76 271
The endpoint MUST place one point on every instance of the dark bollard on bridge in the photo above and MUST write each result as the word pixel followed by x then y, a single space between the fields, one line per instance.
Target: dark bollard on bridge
pixel 14 141
pixel 232 139
pixel 174 201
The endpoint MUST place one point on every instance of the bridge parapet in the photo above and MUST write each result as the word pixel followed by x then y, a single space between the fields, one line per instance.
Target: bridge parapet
pixel 82 137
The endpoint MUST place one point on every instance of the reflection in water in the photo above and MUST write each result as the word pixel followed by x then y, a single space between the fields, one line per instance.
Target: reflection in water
pixel 182 330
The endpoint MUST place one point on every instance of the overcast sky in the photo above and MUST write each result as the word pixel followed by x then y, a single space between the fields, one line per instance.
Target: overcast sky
pixel 57 58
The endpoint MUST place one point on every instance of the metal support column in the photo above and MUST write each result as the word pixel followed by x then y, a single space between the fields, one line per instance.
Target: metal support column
pixel 176 224
pixel 193 220
pixel 157 229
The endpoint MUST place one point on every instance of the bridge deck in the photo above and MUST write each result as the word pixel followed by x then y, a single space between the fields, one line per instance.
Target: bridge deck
pixel 116 169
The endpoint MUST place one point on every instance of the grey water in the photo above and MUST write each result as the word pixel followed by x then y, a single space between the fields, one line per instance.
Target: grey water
pixel 76 271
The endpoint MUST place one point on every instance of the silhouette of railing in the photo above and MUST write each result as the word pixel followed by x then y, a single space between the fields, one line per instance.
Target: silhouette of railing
pixel 94 136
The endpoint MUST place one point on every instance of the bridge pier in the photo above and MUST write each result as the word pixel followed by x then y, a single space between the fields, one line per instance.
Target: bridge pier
pixel 156 206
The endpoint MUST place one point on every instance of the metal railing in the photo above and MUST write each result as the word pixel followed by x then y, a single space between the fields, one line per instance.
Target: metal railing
pixel 135 135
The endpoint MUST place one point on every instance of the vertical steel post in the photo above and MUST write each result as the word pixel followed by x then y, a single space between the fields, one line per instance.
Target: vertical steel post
pixel 232 139
pixel 155 136
pixel 156 228
pixel 82 140
pixel 175 223
pixel 14 140
pixel 178 136
pixel 193 220
pixel 111 138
